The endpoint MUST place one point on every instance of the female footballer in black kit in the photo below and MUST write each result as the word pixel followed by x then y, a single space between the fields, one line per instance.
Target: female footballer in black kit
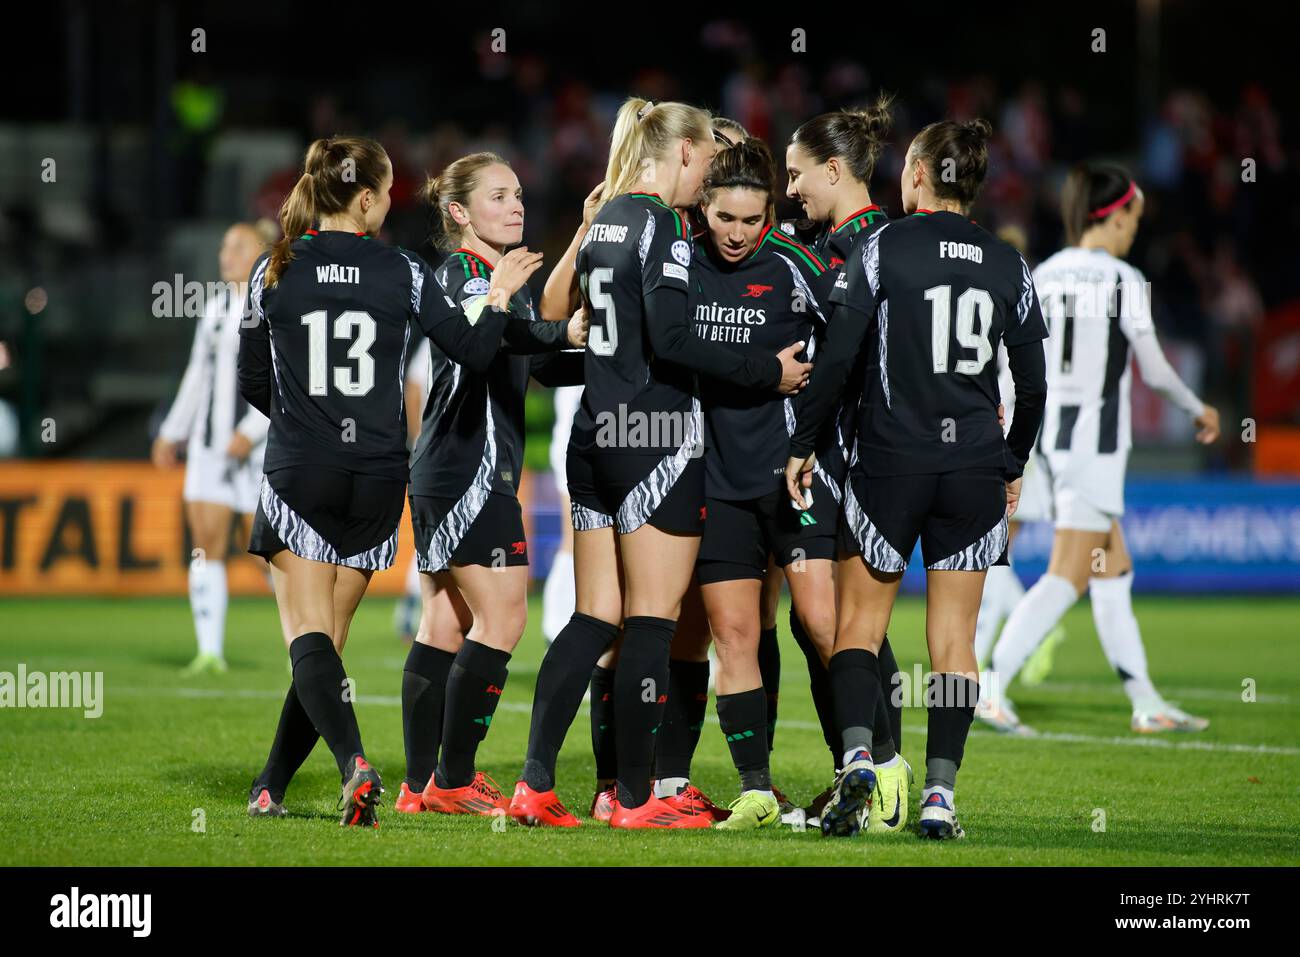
pixel 830 160
pixel 322 353
pixel 635 476
pixel 469 529
pixel 928 298
pixel 755 290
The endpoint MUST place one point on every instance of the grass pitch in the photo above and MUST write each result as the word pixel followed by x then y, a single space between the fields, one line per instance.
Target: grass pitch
pixel 162 776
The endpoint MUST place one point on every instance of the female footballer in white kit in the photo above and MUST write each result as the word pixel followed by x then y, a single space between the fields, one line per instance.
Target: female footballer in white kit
pixel 224 439
pixel 1099 311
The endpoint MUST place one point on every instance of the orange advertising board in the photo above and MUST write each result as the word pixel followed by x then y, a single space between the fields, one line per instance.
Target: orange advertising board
pixel 117 528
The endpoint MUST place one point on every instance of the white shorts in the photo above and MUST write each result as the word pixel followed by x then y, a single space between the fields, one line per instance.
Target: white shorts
pixel 212 476
pixel 1087 495
pixel 1035 493
pixel 567 399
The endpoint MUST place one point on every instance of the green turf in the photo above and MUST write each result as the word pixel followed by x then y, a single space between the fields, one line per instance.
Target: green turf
pixel 125 788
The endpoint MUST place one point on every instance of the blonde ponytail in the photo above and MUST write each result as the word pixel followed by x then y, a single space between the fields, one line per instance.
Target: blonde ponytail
pixel 644 132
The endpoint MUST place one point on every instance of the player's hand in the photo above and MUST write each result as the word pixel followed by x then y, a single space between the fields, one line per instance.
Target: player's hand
pixel 510 275
pixel 579 326
pixel 239 447
pixel 1002 415
pixel 798 476
pixel 1208 424
pixel 1013 495
pixel 589 205
pixel 794 374
pixel 164 453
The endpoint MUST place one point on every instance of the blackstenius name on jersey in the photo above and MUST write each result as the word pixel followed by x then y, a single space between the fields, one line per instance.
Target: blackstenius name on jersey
pixel 716 323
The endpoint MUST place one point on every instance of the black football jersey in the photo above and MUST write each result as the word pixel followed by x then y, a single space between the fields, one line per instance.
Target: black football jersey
pixel 774 297
pixel 338 326
pixel 928 298
pixel 636 244
pixel 833 243
pixel 472 433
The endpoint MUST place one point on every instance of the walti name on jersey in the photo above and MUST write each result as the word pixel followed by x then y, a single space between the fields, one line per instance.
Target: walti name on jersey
pixel 950 250
pixel 336 273
pixel 606 233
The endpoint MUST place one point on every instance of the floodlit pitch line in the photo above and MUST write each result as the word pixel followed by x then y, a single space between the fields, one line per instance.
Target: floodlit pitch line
pixel 1144 741
pixel 1206 694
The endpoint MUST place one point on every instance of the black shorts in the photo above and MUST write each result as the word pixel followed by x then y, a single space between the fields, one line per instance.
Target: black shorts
pixel 960 518
pixel 628 490
pixel 479 528
pixel 329 515
pixel 739 536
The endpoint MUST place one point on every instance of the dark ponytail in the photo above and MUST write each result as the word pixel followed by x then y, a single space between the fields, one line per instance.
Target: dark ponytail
pixel 956 156
pixel 334 171
pixel 1093 191
pixel 855 136
pixel 747 165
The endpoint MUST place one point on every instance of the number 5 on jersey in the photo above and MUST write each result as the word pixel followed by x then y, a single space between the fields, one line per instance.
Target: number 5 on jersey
pixel 603 338
pixel 352 324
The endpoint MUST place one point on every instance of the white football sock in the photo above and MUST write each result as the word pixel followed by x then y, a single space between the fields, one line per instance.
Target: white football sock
pixel 670 787
pixel 1033 617
pixel 946 792
pixel 558 595
pixel 1121 640
pixel 1002 592
pixel 208 604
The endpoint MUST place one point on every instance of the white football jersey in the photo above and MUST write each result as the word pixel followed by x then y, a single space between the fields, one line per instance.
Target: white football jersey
pixel 1098 308
pixel 208 408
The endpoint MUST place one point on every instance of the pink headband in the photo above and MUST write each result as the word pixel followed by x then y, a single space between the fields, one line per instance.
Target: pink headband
pixel 1108 209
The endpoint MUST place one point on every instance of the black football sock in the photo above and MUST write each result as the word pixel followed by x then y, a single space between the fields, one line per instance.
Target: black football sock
pixel 743 720
pixel 950 699
pixel 769 667
pixel 640 693
pixel 325 694
pixel 688 699
pixel 891 683
pixel 882 743
pixel 561 682
pixel 602 723
pixel 295 737
pixel 424 688
pixel 474 687
pixel 855 685
pixel 819 683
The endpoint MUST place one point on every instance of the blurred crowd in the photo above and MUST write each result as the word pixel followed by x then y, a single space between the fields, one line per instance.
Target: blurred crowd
pixel 1218 243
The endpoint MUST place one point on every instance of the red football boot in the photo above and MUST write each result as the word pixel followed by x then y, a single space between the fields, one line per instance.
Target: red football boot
pixel 693 802
pixel 539 808
pixel 408 801
pixel 480 796
pixel 655 814
pixel 602 805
